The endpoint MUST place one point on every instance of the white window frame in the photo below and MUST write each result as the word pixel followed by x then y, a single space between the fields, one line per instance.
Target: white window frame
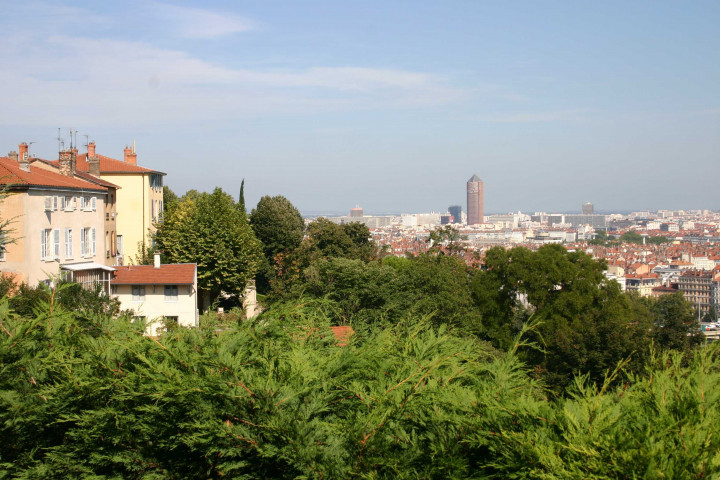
pixel 68 243
pixel 56 243
pixel 83 241
pixel 55 204
pixel 45 244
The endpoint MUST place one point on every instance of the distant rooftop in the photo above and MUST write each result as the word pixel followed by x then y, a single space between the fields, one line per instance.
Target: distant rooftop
pixel 475 178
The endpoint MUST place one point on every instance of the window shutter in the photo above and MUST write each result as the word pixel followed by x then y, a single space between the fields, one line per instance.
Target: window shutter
pixel 56 242
pixel 93 202
pixel 68 243
pixel 42 244
pixel 92 233
pixel 48 204
pixel 83 242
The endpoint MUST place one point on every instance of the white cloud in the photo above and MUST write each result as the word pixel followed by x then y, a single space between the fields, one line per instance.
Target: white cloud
pixel 200 23
pixel 114 81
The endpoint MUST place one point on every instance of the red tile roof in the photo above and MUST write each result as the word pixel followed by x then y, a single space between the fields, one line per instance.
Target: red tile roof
pixel 11 174
pixel 342 334
pixel 167 274
pixel 108 165
pixel 82 175
pixel 111 165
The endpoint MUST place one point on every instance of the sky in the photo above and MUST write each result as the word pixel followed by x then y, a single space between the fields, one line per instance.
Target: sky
pixel 387 105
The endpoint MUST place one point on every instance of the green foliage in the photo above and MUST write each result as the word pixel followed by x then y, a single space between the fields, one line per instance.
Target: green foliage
pixel 278 225
pixel 631 237
pixel 277 398
pixel 241 200
pixel 170 199
pixel 586 323
pixel 446 239
pixel 207 229
pixel 676 326
pixel 328 239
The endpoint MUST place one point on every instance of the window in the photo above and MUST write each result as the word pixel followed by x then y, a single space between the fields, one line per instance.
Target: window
pixel 138 293
pixel 45 244
pixel 82 203
pixel 87 242
pixel 69 203
pixel 48 204
pixel 171 293
pixel 56 243
pixel 68 243
pixel 55 202
pixel 93 203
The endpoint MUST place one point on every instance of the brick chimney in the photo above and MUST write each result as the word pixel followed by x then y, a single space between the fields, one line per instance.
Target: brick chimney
pixel 67 163
pixel 13 155
pixel 130 156
pixel 93 164
pixel 23 152
pixel 91 149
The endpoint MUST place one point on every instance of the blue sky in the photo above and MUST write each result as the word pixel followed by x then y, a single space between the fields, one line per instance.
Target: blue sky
pixel 388 105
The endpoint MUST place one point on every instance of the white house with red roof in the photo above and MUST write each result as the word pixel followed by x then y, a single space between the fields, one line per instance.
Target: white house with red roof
pixel 57 219
pixel 158 293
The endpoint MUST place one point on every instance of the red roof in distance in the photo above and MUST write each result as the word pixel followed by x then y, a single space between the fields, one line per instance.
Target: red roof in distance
pixel 12 174
pixel 167 274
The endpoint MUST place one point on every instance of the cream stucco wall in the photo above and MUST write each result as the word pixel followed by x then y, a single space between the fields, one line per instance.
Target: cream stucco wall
pixel 155 307
pixel 23 258
pixel 134 207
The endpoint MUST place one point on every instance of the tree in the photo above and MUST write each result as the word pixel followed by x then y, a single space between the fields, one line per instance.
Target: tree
pixel 241 200
pixel 278 225
pixel 631 237
pixel 207 229
pixel 170 199
pixel 446 239
pixel 585 323
pixel 676 326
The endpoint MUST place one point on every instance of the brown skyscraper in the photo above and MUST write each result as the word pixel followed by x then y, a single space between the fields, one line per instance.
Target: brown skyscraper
pixel 475 201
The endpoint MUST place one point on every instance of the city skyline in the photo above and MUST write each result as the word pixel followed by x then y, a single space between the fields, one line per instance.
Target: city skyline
pixel 390 106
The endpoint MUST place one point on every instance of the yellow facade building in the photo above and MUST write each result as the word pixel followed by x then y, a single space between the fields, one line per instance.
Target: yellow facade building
pixel 139 202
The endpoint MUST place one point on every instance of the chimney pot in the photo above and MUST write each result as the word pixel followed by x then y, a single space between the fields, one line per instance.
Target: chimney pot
pixel 91 149
pixel 22 151
pixel 130 156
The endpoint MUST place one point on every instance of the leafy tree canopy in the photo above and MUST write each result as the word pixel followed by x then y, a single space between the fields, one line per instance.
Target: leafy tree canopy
pixel 207 229
pixel 277 224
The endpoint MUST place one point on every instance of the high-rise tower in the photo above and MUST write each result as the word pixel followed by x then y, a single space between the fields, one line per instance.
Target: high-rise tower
pixel 475 201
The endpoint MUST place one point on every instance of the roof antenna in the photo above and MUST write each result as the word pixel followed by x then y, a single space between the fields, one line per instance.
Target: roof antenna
pixel 87 141
pixel 133 145
pixel 29 145
pixel 61 144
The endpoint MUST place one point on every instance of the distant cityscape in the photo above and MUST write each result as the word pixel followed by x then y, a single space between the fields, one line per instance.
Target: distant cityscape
pixel 649 252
